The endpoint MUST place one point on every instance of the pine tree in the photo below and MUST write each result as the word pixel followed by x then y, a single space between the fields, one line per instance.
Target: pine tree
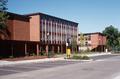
pixel 3 19
pixel 3 14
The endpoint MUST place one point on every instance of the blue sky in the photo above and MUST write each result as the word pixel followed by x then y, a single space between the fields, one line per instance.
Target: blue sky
pixel 92 15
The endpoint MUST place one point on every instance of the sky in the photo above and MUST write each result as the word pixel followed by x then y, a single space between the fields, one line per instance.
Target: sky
pixel 92 15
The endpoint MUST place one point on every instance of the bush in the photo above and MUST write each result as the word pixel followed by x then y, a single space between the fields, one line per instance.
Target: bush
pixel 51 54
pixel 57 53
pixel 11 56
pixel 43 53
pixel 32 54
pixel 76 57
pixel 85 57
pixel 80 57
pixel 1 57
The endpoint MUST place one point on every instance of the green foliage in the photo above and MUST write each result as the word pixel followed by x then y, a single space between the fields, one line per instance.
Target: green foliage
pixel 1 57
pixel 87 51
pixel 32 54
pixel 43 53
pixel 11 56
pixel 3 14
pixel 3 18
pixel 74 44
pixel 50 54
pixel 58 53
pixel 82 40
pixel 112 35
pixel 3 4
pixel 80 57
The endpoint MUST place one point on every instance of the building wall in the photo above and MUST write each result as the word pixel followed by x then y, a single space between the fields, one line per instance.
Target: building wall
pixel 104 40
pixel 10 28
pixel 59 30
pixel 18 28
pixel 21 30
pixel 96 41
pixel 35 28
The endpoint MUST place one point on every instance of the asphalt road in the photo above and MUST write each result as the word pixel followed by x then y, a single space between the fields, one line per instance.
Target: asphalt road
pixel 33 66
pixel 102 57
pixel 106 69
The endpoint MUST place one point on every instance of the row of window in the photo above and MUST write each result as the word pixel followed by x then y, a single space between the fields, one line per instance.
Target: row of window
pixel 54 37
pixel 58 30
pixel 65 30
pixel 56 27
pixel 87 38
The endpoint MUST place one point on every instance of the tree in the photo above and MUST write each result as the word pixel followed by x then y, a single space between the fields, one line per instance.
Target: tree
pixel 81 40
pixel 112 35
pixel 119 42
pixel 3 18
pixel 74 44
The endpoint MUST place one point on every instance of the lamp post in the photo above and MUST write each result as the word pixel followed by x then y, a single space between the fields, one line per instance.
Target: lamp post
pixel 47 45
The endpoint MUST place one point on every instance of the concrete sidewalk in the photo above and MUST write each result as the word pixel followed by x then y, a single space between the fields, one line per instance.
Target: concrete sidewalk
pixel 8 63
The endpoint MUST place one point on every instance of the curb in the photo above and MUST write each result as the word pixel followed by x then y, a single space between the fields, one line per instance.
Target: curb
pixel 98 54
pixel 79 60
pixel 9 63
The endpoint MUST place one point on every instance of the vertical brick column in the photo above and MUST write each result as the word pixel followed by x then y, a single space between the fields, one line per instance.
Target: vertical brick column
pixel 37 49
pixel 47 49
pixel 58 49
pixel 53 49
pixel 26 50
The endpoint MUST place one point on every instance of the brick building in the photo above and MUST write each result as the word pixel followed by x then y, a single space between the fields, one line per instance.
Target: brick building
pixel 35 33
pixel 93 41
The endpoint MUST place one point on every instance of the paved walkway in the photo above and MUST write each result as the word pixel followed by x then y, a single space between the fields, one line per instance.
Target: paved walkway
pixel 6 63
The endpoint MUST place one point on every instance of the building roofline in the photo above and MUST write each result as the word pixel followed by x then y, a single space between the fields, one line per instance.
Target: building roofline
pixel 15 14
pixel 39 13
pixel 93 33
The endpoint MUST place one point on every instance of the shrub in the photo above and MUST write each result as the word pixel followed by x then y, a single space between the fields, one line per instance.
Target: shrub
pixel 85 57
pixel 57 53
pixel 43 53
pixel 1 57
pixel 11 56
pixel 80 57
pixel 76 57
pixel 51 54
pixel 32 54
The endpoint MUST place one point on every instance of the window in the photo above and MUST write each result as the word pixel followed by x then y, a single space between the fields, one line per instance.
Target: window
pixel 86 43
pixel 89 37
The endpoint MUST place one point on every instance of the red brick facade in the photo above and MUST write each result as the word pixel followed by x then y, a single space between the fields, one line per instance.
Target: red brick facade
pixel 18 27
pixel 94 41
pixel 28 34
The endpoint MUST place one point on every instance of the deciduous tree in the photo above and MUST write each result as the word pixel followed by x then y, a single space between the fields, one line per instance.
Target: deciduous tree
pixel 112 35
pixel 74 44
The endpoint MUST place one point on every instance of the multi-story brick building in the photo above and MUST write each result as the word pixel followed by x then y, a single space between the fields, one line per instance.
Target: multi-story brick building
pixel 93 41
pixel 34 33
pixel 52 32
pixel 13 40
